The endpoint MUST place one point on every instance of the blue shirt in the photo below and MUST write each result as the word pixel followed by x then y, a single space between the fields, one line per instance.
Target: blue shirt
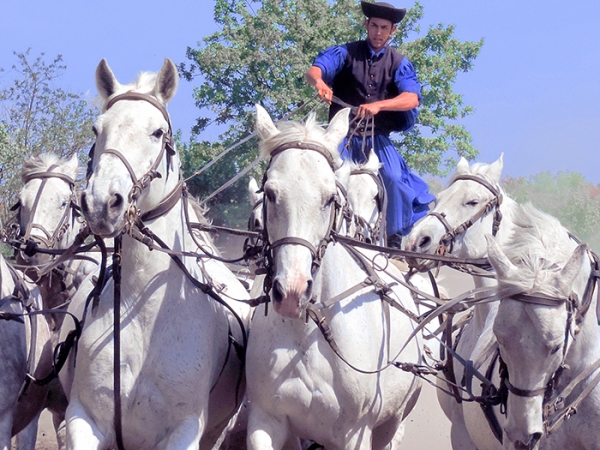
pixel 331 61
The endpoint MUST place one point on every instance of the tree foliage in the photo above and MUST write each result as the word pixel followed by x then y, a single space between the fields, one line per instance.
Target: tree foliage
pixel 37 117
pixel 265 47
pixel 566 196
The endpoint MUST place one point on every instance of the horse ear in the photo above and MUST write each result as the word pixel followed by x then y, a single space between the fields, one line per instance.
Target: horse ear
pixel 462 166
pixel 166 81
pixel 338 127
pixel 264 125
pixel 572 268
pixel 495 171
pixel 498 259
pixel 106 83
pixel 253 191
pixel 73 166
pixel 373 164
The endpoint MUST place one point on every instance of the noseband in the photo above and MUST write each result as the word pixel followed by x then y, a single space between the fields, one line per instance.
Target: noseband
pixel 447 240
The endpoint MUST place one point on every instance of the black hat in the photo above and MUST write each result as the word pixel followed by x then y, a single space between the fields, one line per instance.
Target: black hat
pixel 383 10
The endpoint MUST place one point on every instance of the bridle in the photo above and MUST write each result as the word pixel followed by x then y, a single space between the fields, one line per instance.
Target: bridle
pixel 337 211
pixel 368 230
pixel 447 240
pixel 554 411
pixel 132 212
pixel 51 239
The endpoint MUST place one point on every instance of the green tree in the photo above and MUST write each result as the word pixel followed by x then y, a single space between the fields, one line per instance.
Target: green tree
pixel 566 196
pixel 265 47
pixel 37 117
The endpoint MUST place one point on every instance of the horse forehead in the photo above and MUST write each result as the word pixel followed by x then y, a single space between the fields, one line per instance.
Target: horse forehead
pixel 131 115
pixel 516 320
pixel 459 191
pixel 54 188
pixel 302 166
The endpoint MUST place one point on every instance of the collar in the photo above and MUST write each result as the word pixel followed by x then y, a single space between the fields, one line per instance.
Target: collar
pixel 372 52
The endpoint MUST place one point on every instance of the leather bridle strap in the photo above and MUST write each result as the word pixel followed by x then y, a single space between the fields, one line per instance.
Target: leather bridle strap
pixel 447 240
pixel 305 146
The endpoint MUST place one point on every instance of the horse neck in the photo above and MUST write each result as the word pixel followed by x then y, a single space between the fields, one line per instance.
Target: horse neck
pixel 338 272
pixel 505 231
pixel 140 266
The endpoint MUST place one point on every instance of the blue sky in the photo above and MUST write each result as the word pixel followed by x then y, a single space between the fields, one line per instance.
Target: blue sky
pixel 535 86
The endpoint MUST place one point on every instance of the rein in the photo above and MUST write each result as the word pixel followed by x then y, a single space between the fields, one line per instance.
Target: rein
pixel 135 228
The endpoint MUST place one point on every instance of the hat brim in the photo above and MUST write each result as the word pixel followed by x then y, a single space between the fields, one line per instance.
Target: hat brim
pixel 383 11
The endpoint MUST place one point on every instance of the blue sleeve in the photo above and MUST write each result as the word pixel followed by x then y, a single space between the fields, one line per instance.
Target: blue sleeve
pixel 331 61
pixel 406 78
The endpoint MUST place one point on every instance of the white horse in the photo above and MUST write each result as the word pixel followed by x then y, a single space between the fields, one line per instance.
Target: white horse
pixel 297 384
pixel 48 219
pixel 548 336
pixel 25 350
pixel 473 196
pixel 179 373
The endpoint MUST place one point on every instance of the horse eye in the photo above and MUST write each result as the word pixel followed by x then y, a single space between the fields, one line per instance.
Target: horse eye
pixel 270 195
pixel 95 130
pixel 473 203
pixel 556 349
pixel 158 133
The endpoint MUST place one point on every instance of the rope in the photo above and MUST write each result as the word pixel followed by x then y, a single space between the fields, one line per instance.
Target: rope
pixel 246 139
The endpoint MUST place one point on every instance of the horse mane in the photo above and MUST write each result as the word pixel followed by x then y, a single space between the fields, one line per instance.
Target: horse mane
pixel 199 211
pixel 144 84
pixel 43 162
pixel 540 246
pixel 309 132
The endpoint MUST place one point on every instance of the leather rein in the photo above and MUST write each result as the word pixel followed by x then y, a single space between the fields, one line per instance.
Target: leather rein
pixel 136 229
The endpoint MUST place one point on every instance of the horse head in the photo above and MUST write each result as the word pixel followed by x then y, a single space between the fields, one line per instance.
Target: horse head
pixel 463 214
pixel 255 222
pixel 47 206
pixel 366 200
pixel 535 321
pixel 134 165
pixel 301 201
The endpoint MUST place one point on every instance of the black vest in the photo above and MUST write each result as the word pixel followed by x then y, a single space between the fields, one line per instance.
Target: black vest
pixel 362 81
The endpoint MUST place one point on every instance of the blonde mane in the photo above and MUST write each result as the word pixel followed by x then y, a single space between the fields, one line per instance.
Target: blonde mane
pixel 539 247
pixel 43 162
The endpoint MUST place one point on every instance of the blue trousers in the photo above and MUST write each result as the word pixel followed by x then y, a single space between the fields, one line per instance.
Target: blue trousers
pixel 408 194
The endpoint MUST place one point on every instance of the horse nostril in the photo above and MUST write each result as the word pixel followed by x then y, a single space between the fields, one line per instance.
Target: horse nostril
pixel 277 292
pixel 424 243
pixel 309 285
pixel 534 439
pixel 117 201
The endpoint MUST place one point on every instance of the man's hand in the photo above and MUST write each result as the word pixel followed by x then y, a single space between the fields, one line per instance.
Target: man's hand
pixel 368 108
pixel 324 91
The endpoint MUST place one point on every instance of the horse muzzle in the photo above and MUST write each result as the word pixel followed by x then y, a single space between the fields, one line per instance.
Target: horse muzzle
pixel 290 299
pixel 106 218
